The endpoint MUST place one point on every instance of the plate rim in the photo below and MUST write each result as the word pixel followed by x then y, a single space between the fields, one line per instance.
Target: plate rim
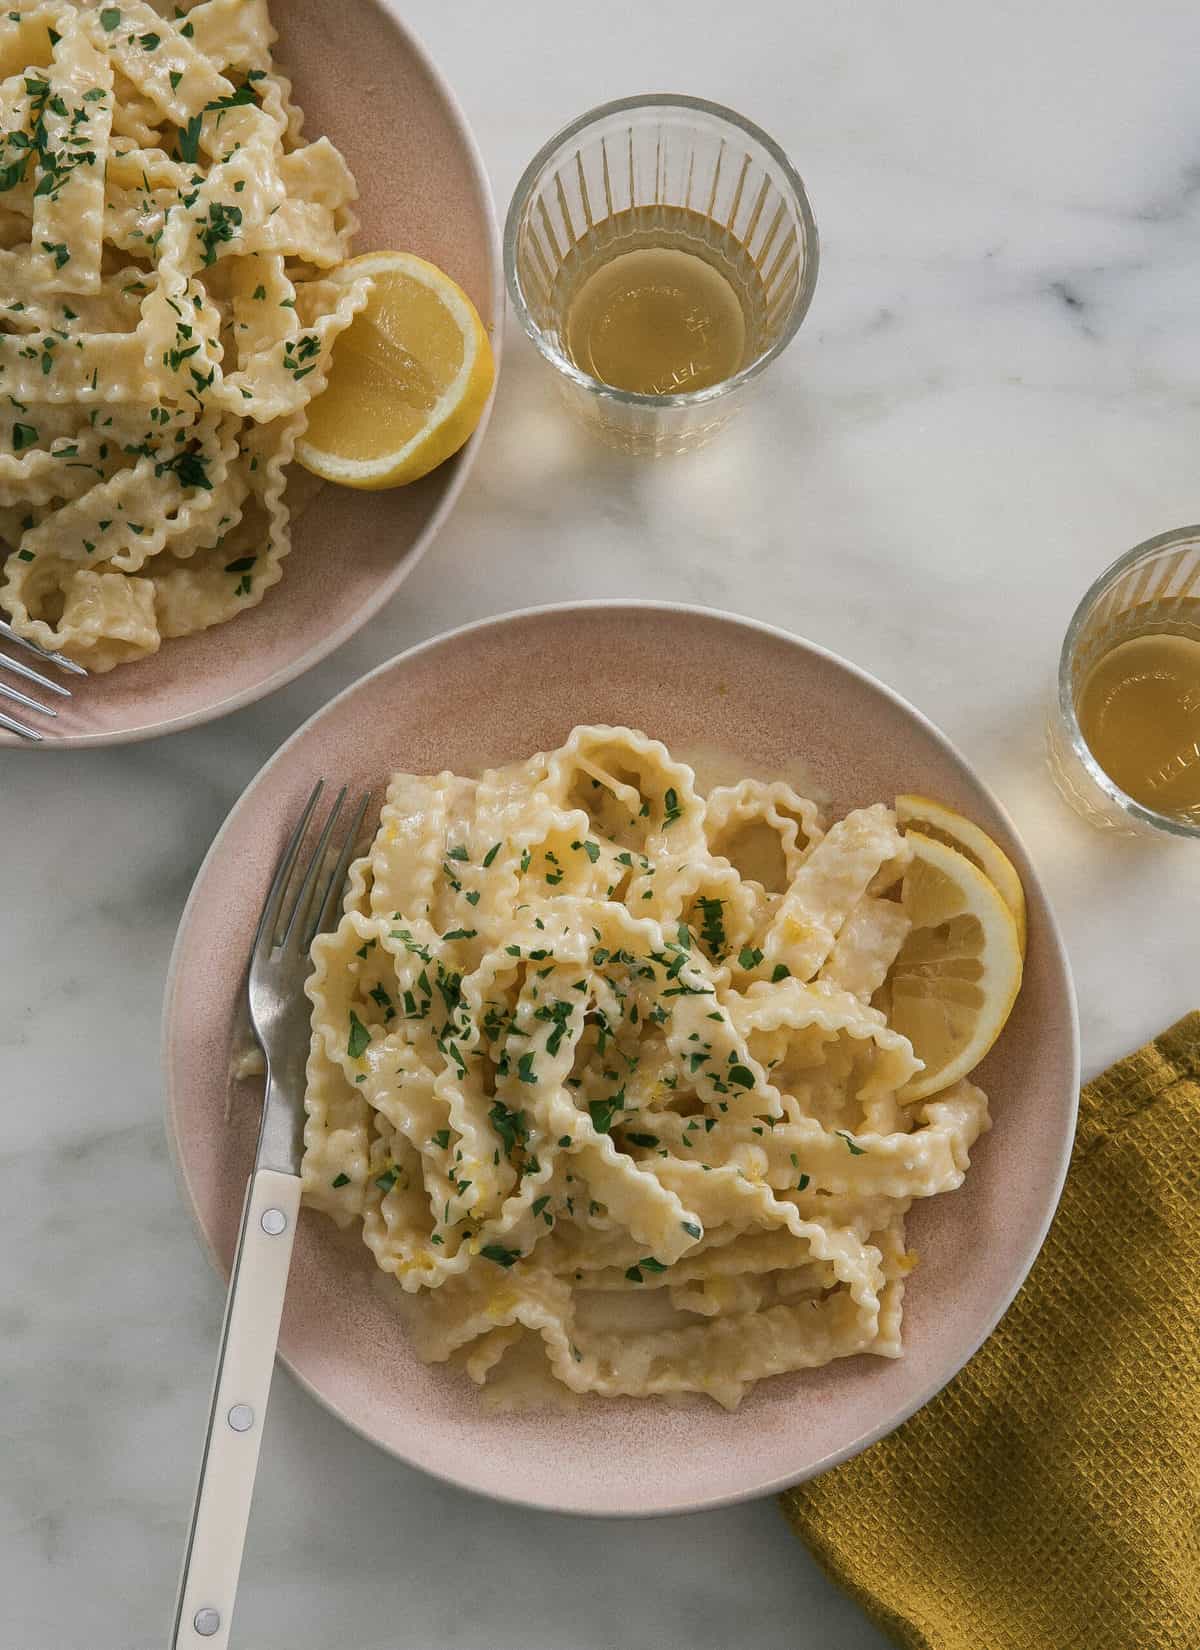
pixel 463 462
pixel 1058 955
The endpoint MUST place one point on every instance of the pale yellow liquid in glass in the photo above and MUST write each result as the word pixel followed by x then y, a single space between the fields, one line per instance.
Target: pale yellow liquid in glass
pixel 1139 712
pixel 660 301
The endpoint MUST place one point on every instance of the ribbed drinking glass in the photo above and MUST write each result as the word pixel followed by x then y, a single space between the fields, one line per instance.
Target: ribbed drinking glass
pixel 1152 590
pixel 661 172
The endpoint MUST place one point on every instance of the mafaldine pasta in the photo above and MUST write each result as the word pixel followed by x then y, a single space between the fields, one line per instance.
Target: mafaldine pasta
pixel 164 321
pixel 596 1072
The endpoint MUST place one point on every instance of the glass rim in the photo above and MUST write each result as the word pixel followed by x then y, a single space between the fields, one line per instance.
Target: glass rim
pixel 1098 588
pixel 800 304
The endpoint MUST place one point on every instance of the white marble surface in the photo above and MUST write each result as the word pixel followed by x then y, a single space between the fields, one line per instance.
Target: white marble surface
pixel 995 393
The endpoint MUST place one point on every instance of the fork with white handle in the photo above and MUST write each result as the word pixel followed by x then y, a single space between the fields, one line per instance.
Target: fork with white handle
pixel 300 905
pixel 26 672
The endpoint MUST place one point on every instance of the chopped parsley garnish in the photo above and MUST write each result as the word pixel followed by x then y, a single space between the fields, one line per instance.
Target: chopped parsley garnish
pixel 380 997
pixel 341 1180
pixel 298 359
pixel 781 971
pixel 410 944
pixel 461 934
pixel 176 75
pixel 742 1076
pixel 749 957
pixel 641 1139
pixel 538 1205
pixel 509 1125
pixel 856 1151
pixel 221 225
pixel 442 1138
pixel 692 1229
pixel 458 852
pixel 559 1013
pixel 712 926
pixel 360 1037
pixel 149 42
pixel 802 1182
pixel 525 1072
pixel 191 470
pixel 23 435
pixel 109 18
pixel 244 94
pixel 242 565
pixel 499 1254
pixel 189 140
pixel 671 808
pixel 387 1179
pixel 603 1111
pixel 491 854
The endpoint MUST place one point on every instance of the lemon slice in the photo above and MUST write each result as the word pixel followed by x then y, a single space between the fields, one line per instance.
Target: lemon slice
pixel 956 978
pixel 934 819
pixel 408 381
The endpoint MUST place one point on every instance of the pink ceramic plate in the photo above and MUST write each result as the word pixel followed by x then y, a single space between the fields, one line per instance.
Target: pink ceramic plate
pixel 502 689
pixel 362 80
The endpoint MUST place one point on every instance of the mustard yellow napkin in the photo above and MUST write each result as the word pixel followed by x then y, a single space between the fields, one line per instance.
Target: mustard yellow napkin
pixel 1049 1498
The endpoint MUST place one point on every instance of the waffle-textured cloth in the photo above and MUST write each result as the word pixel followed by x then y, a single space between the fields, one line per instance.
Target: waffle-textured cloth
pixel 1049 1497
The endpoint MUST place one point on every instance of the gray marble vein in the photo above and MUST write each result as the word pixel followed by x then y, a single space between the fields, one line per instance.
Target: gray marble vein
pixel 995 393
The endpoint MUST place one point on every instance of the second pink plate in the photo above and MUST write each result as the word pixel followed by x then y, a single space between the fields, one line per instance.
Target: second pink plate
pixel 364 82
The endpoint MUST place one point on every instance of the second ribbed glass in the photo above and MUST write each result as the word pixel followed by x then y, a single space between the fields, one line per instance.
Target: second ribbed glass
pixel 1152 590
pixel 662 172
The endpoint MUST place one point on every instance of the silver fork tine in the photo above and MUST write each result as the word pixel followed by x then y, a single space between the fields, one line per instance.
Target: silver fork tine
pixel 13 726
pixel 18 668
pixel 35 676
pixel 269 920
pixel 19 698
pixel 60 659
pixel 337 877
pixel 304 893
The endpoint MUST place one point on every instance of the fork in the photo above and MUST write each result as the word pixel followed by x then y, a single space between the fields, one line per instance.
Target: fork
pixel 28 674
pixel 294 913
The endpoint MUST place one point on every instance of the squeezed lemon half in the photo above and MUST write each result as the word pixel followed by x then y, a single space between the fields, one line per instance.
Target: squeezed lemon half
pixel 956 978
pixel 408 381
pixel 922 813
